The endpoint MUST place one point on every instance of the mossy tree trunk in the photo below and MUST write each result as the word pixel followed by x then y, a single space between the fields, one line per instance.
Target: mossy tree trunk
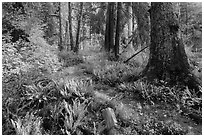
pixel 167 61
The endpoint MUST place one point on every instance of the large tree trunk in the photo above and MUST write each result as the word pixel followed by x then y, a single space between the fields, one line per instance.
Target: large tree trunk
pixel 70 26
pixel 167 61
pixel 76 48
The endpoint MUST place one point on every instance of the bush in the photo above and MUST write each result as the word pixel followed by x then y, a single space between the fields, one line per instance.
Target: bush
pixel 182 99
pixel 29 125
pixel 160 93
pixel 155 127
pixel 70 58
pixel 114 72
pixel 44 106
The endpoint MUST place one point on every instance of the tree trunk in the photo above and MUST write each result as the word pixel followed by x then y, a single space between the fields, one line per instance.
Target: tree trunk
pixel 66 36
pixel 111 28
pixel 70 26
pixel 167 61
pixel 109 34
pixel 130 22
pixel 117 33
pixel 78 28
pixel 60 46
pixel 106 45
pixel 50 30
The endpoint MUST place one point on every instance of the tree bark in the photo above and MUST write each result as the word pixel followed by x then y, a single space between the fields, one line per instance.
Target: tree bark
pixel 66 36
pixel 117 33
pixel 47 11
pixel 109 34
pixel 76 48
pixel 60 46
pixel 111 28
pixel 167 61
pixel 106 45
pixel 130 24
pixel 70 26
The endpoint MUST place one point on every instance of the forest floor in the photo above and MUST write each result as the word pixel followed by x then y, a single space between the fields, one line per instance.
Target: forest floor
pixel 131 108
pixel 139 108
pixel 136 115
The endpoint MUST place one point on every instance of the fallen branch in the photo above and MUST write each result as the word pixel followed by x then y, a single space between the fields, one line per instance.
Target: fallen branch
pixel 135 54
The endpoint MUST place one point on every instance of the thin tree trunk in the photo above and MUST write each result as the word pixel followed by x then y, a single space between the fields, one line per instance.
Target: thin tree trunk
pixel 111 27
pixel 186 14
pixel 76 49
pixel 118 27
pixel 49 21
pixel 130 24
pixel 60 46
pixel 167 61
pixel 109 34
pixel 70 26
pixel 106 45
pixel 66 36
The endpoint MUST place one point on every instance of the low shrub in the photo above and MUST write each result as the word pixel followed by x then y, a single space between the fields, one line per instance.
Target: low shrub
pixel 29 125
pixel 70 58
pixel 155 127
pixel 181 98
pixel 47 107
pixel 114 72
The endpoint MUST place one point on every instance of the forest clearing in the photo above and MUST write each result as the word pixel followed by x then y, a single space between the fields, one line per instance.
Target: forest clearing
pixel 101 68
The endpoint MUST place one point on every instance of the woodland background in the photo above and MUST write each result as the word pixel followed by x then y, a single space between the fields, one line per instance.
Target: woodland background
pixel 64 63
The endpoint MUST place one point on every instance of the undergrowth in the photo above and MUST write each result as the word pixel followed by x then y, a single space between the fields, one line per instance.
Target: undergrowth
pixel 182 99
pixel 38 103
pixel 57 109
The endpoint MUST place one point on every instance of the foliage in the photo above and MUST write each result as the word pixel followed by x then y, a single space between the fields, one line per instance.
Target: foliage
pixel 160 92
pixel 195 61
pixel 70 58
pixel 44 104
pixel 97 19
pixel 113 72
pixel 181 98
pixel 191 22
pixel 75 115
pixel 155 127
pixel 43 96
pixel 140 9
pixel 31 61
pixel 45 55
pixel 11 60
pixel 30 125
